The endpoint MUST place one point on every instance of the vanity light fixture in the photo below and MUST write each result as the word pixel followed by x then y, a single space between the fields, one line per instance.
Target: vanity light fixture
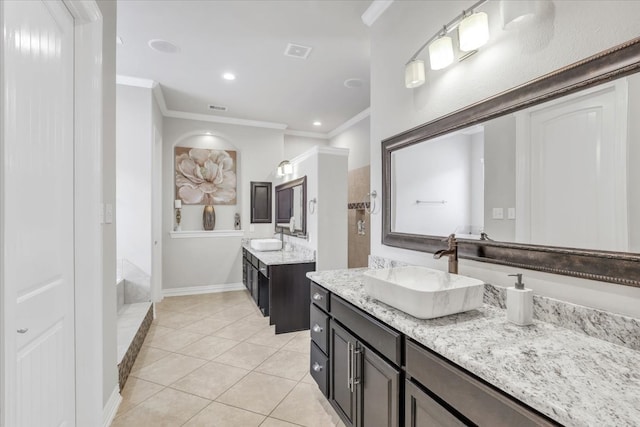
pixel 516 11
pixel 441 52
pixel 473 32
pixel 285 168
pixel 414 73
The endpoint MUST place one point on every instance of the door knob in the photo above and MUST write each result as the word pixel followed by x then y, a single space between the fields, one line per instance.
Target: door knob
pixel 23 330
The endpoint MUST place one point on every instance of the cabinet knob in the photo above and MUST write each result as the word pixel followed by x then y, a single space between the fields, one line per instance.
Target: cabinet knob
pixel 317 367
pixel 317 328
pixel 23 330
pixel 317 297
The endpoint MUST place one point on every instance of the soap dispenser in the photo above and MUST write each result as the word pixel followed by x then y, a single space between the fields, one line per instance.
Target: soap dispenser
pixel 519 303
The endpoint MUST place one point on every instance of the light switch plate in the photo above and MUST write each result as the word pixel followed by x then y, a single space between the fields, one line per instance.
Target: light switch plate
pixel 511 213
pixel 498 213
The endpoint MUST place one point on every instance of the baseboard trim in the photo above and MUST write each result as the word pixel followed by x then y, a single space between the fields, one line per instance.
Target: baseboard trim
pixel 111 408
pixel 206 289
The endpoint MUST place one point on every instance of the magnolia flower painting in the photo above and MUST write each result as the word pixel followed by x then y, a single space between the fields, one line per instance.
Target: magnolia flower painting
pixel 205 177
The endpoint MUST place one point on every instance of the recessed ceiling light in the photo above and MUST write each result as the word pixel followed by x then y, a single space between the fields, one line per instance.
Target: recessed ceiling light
pixel 317 123
pixel 229 76
pixel 163 46
pixel 353 83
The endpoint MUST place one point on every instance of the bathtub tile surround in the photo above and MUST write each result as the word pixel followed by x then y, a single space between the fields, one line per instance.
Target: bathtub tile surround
pixel 210 389
pixel 571 377
pixel 129 346
pixel 137 284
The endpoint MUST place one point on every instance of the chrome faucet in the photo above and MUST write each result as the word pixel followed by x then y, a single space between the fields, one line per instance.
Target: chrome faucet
pixel 451 252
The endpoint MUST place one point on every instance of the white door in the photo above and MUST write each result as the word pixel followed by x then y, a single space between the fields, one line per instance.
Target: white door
pixel 38 213
pixel 576 181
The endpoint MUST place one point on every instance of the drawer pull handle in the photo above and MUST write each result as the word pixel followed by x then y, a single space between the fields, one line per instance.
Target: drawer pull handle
pixel 264 270
pixel 317 367
pixel 317 297
pixel 317 328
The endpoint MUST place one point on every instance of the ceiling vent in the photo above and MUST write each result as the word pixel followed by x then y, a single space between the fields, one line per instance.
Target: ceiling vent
pixel 297 51
pixel 219 108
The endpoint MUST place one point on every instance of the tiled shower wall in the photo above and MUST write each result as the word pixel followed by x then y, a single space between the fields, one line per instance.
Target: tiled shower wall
pixel 359 244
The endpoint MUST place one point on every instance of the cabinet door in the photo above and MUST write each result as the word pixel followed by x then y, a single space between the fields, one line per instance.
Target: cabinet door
pixel 254 284
pixel 422 411
pixel 378 390
pixel 260 202
pixel 342 394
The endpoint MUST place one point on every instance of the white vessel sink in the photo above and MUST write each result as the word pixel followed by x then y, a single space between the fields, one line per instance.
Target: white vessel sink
pixel 266 244
pixel 423 292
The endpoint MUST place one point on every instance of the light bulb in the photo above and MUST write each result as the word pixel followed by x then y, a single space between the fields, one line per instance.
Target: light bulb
pixel 441 53
pixel 414 74
pixel 473 31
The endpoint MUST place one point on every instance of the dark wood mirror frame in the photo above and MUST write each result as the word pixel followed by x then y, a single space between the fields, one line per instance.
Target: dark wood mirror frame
pixel 607 266
pixel 285 186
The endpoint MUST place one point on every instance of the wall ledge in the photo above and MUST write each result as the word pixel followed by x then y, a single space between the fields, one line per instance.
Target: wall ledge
pixel 198 234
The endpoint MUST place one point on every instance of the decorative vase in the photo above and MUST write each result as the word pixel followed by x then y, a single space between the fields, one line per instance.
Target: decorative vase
pixel 208 218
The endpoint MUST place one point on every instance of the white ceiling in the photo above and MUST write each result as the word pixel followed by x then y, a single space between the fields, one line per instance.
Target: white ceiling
pixel 249 38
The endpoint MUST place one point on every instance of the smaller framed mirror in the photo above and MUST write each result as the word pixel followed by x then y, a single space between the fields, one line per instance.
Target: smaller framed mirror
pixel 291 207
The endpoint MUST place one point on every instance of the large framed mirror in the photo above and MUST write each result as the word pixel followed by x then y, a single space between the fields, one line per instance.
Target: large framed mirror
pixel 542 176
pixel 291 203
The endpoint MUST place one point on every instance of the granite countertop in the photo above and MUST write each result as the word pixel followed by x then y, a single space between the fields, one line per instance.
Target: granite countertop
pixel 295 256
pixel 575 379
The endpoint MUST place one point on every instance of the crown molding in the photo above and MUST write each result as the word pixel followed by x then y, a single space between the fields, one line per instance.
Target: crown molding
pixel 318 149
pixel 352 121
pixel 159 95
pixel 135 81
pixel 317 135
pixel 374 11
pixel 166 112
pixel 226 120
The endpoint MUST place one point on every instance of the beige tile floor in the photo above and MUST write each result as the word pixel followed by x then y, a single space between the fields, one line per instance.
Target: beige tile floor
pixel 213 361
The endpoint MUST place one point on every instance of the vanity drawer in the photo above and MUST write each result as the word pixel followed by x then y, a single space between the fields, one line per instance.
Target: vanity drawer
pixel 263 268
pixel 320 296
pixel 480 403
pixel 319 325
pixel 319 368
pixel 385 340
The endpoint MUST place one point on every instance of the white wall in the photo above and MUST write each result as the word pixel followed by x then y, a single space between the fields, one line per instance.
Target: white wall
pixel 356 138
pixel 214 261
pixel 134 136
pixel 567 32
pixel 109 314
pixel 326 172
pixel 295 145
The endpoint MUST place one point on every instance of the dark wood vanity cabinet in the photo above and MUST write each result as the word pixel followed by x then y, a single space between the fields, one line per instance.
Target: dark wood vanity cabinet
pixel 361 384
pixel 468 398
pixel 255 278
pixel 374 376
pixel 281 291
